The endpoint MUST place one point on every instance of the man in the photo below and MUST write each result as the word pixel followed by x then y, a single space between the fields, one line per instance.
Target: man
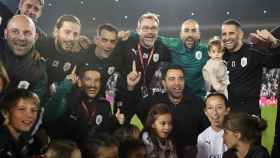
pixel 245 64
pixel 79 109
pixel 58 50
pixel 187 110
pixel 146 51
pixel 30 8
pixel 103 55
pixel 16 55
pixel 190 54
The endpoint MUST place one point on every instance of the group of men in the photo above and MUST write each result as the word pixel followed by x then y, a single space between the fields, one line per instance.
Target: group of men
pixel 76 78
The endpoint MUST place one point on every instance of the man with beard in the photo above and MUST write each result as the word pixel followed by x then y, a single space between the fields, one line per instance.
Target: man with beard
pixel 190 54
pixel 30 8
pixel 103 55
pixel 58 50
pixel 16 55
pixel 245 63
pixel 79 109
pixel 186 108
pixel 146 51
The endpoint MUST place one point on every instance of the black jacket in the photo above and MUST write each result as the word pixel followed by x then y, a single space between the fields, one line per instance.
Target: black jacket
pixel 255 151
pixel 23 148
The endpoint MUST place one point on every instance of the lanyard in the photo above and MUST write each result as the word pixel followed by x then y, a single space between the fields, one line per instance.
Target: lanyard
pixel 90 116
pixel 141 57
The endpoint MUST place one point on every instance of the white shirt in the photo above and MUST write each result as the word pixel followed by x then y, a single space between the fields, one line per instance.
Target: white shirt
pixel 210 144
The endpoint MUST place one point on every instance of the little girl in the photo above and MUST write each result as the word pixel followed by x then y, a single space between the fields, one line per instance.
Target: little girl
pixel 214 71
pixel 157 133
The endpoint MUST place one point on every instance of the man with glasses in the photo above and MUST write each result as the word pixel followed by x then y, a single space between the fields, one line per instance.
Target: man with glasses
pixel 145 52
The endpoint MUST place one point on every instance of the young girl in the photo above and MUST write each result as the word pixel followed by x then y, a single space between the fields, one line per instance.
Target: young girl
pixel 242 136
pixel 215 71
pixel 157 133
pixel 210 142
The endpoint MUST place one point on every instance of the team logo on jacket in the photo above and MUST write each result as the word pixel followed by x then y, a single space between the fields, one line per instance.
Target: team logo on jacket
pixel 66 66
pixel 156 57
pixel 111 70
pixel 198 55
pixel 243 61
pixel 23 85
pixel 55 63
pixel 99 119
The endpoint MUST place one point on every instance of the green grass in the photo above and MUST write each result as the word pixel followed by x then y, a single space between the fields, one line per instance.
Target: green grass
pixel 269 114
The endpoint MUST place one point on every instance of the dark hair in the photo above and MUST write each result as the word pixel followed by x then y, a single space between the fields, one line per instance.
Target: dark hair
pixel 155 111
pixel 129 146
pixel 126 132
pixel 107 26
pixel 233 22
pixel 11 98
pixel 250 126
pixel 171 67
pixel 217 94
pixel 99 141
pixel 88 67
pixel 66 18
pixel 62 148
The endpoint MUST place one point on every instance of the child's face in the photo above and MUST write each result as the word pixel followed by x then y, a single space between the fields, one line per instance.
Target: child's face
pixel 215 53
pixel 163 125
pixel 215 110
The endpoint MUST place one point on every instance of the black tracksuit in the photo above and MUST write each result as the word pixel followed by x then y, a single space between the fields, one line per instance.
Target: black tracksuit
pixel 110 68
pixel 130 52
pixel 245 72
pixel 21 148
pixel 188 117
pixel 82 117
pixel 59 63
pixel 255 151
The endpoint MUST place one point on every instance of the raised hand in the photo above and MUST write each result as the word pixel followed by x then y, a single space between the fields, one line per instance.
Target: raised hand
pixel 120 116
pixel 133 77
pixel 73 76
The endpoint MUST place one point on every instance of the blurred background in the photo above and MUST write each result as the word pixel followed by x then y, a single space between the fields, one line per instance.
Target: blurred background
pixel 124 13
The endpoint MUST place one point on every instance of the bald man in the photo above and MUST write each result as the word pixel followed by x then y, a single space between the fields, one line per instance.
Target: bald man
pixel 30 8
pixel 188 52
pixel 16 55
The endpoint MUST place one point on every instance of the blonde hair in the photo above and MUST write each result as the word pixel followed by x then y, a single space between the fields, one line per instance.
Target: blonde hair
pixel 148 15
pixel 215 41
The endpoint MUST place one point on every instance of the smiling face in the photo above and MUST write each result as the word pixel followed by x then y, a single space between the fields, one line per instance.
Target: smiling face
pixel 31 8
pixel 232 37
pixel 20 35
pixel 68 35
pixel 174 83
pixel 91 83
pixel 148 32
pixel 22 116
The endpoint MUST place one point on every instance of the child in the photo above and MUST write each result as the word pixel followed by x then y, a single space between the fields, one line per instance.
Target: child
pixel 157 131
pixel 215 71
pixel 210 141
pixel 242 136
pixel 63 149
